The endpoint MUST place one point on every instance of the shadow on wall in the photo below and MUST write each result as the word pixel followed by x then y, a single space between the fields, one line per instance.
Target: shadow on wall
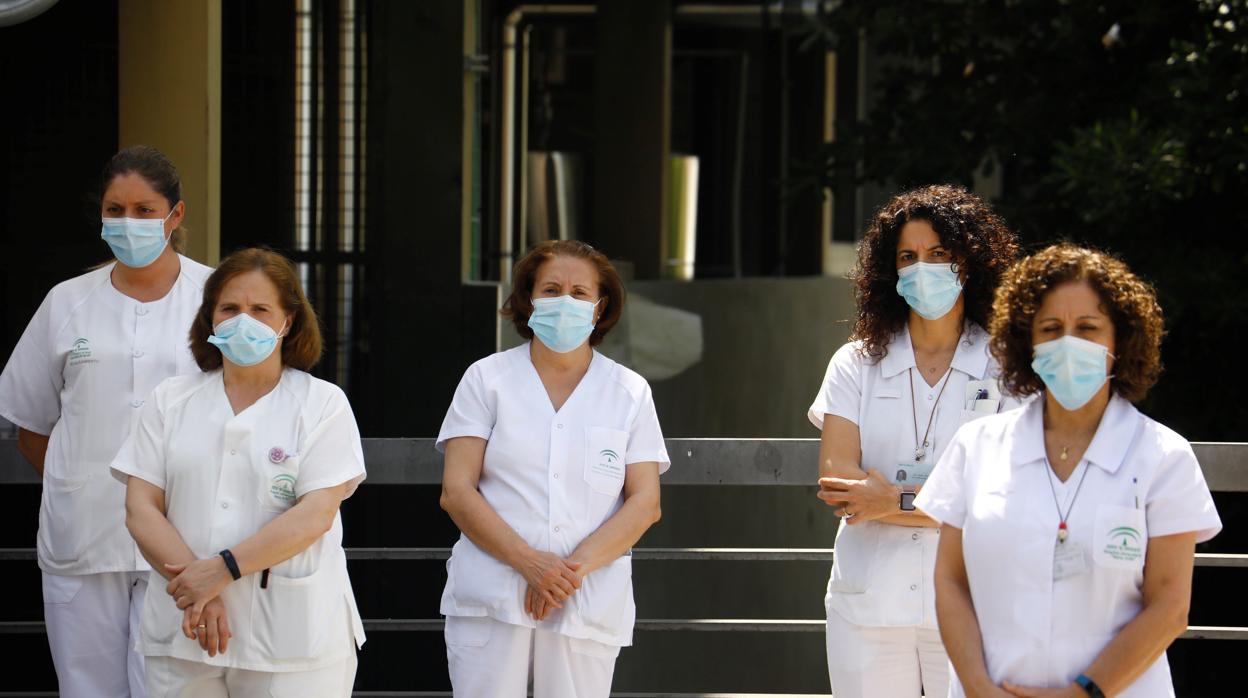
pixel 744 357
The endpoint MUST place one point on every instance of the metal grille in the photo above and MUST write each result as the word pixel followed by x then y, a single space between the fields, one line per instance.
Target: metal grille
pixel 330 77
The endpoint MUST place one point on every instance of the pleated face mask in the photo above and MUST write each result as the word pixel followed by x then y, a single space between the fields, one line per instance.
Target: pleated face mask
pixel 135 242
pixel 562 323
pixel 244 340
pixel 1072 369
pixel 930 289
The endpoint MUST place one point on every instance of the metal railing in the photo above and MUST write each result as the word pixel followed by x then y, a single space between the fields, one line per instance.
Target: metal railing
pixel 695 462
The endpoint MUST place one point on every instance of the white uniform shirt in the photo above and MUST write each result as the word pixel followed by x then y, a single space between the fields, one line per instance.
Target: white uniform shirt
pixel 80 373
pixel 554 477
pixel 225 476
pixel 1142 481
pixel 882 573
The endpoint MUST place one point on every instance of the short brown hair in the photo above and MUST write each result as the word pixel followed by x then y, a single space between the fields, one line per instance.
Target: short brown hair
pixel 519 305
pixel 979 240
pixel 301 347
pixel 1130 303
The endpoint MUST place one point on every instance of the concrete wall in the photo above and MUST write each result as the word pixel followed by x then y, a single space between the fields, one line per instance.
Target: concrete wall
pixel 766 344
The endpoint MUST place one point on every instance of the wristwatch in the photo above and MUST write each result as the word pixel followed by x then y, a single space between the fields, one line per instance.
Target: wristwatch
pixel 907 498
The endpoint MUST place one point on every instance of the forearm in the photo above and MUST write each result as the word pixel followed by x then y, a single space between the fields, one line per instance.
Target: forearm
pixel 618 533
pixel 912 519
pixel 284 537
pixel 33 447
pixel 158 541
pixel 1134 649
pixel 476 519
pixel 959 631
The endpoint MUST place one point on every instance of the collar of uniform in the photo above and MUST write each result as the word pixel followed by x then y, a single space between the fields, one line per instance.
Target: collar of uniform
pixel 900 356
pixel 970 356
pixel 1114 434
pixel 1109 445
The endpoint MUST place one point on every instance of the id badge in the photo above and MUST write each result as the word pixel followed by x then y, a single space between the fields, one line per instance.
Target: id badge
pixel 911 472
pixel 1070 559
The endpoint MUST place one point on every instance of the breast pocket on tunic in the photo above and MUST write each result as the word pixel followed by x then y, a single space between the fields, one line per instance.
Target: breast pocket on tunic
pixel 604 459
pixel 278 477
pixel 1120 538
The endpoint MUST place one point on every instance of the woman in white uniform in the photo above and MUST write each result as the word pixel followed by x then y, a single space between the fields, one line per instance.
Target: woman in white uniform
pixel 553 456
pixel 1070 526
pixel 917 369
pixel 234 477
pixel 98 344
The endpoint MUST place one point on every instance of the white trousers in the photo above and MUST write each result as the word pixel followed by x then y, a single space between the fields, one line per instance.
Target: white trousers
pixel 168 677
pixel 92 621
pixel 491 659
pixel 866 662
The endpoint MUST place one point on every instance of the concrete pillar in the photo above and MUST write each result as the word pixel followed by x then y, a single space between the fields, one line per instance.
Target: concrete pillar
pixel 169 97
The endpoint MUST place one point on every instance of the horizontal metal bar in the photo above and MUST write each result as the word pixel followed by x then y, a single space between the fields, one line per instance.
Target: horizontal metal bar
pixel 1210 632
pixel 704 554
pixel 448 694
pixel 739 625
pixel 694 462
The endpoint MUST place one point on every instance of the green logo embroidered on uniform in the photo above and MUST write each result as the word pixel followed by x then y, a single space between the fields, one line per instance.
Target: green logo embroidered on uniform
pixel 609 464
pixel 1124 544
pixel 80 352
pixel 283 488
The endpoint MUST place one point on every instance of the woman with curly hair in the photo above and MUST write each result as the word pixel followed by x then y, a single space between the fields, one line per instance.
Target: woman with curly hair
pixel 1069 526
pixel 917 368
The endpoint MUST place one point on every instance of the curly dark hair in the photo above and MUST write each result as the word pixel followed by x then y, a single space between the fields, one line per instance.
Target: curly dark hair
pixel 977 238
pixel 1130 303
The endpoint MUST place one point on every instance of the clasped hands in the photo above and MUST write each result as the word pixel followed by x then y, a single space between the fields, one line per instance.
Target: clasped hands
pixel 552 581
pixel 860 500
pixel 196 588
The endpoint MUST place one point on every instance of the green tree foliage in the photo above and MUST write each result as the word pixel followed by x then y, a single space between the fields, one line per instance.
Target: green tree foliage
pixel 1119 124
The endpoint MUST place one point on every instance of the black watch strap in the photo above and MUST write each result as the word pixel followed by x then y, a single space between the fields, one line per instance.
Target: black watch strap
pixel 1089 686
pixel 231 564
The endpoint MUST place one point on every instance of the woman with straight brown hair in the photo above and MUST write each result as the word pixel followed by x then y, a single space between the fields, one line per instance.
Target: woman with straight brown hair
pixel 234 478
pixel 553 455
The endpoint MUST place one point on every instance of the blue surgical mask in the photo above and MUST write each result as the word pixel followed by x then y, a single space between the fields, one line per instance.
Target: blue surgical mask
pixel 135 242
pixel 562 323
pixel 931 289
pixel 1072 369
pixel 244 340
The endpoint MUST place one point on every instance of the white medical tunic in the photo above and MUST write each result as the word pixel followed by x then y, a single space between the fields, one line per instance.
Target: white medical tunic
pixel 882 573
pixel 1140 481
pixel 554 477
pixel 225 476
pixel 79 374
